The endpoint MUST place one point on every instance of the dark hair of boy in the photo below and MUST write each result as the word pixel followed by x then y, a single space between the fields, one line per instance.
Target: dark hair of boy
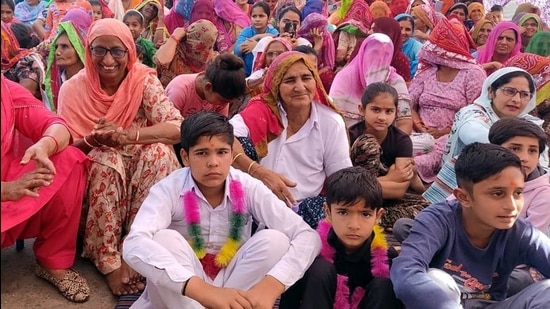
pixel 226 74
pixel 497 8
pixel 506 78
pixel 205 123
pixel 479 161
pixel 351 185
pixel 507 128
pixel 306 49
pixel 264 6
pixel 375 89
pixel 135 13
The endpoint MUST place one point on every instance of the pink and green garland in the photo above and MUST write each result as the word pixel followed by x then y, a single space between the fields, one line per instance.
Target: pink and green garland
pixel 212 264
pixel 380 267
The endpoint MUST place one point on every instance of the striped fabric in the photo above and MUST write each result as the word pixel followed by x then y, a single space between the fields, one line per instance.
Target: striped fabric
pixel 444 183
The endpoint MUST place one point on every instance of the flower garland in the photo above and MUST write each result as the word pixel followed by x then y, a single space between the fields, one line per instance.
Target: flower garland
pixel 213 264
pixel 380 267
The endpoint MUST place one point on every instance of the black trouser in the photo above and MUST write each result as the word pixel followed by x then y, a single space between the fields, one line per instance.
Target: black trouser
pixel 316 290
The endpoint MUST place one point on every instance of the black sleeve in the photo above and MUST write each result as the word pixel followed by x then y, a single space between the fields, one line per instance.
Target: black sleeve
pixel 403 143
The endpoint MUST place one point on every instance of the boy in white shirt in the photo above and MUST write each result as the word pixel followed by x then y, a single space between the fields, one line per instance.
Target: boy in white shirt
pixel 192 239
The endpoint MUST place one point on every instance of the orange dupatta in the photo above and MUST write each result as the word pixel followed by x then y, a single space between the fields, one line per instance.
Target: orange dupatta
pixel 82 101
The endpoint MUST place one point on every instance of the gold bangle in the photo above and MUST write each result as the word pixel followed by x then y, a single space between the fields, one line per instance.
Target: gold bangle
pixel 250 166
pixel 237 156
pixel 137 136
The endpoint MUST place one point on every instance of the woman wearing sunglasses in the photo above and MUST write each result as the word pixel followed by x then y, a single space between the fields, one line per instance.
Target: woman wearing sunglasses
pixel 124 122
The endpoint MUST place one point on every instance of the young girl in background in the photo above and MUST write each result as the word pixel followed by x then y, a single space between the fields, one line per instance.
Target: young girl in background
pixel 386 151
pixel 134 20
pixel 97 12
pixel 249 37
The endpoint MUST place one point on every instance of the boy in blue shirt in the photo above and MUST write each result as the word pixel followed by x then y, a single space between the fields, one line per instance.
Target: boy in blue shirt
pixel 460 253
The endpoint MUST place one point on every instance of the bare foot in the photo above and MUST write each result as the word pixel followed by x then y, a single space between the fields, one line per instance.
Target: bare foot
pixel 124 281
pixel 132 278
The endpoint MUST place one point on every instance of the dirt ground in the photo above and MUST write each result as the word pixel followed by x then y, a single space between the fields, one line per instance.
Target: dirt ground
pixel 22 289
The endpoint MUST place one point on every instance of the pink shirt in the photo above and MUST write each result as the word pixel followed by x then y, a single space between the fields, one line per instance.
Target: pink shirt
pixel 181 92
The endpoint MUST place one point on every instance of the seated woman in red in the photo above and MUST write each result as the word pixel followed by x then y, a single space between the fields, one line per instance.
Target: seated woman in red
pixel 42 188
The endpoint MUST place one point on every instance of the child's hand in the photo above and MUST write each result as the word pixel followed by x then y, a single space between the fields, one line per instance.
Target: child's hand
pixel 248 45
pixel 401 174
pixel 264 294
pixel 227 298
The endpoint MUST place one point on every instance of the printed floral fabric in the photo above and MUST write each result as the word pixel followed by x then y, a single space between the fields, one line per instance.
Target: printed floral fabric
pixel 120 178
pixel 193 54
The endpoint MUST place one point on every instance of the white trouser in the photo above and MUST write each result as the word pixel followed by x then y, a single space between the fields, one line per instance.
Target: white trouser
pixel 251 263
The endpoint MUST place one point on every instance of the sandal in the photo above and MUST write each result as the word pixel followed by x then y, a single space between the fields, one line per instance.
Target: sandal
pixel 73 286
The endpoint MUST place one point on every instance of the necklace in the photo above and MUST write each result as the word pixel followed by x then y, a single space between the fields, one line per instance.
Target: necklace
pixel 379 265
pixel 213 264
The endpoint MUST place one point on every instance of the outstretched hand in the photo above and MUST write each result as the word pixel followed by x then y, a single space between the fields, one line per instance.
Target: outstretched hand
pixel 38 153
pixel 278 184
pixel 27 185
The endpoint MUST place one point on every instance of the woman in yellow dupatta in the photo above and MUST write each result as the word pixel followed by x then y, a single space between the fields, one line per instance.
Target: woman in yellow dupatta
pixel 125 123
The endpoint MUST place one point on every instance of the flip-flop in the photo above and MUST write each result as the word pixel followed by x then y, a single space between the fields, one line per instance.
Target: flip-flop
pixel 73 286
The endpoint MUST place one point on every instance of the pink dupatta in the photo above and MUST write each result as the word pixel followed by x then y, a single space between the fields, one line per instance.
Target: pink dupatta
pixel 486 53
pixel 228 12
pixel 372 64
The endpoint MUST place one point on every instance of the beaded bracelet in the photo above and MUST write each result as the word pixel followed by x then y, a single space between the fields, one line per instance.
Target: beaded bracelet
pixel 54 140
